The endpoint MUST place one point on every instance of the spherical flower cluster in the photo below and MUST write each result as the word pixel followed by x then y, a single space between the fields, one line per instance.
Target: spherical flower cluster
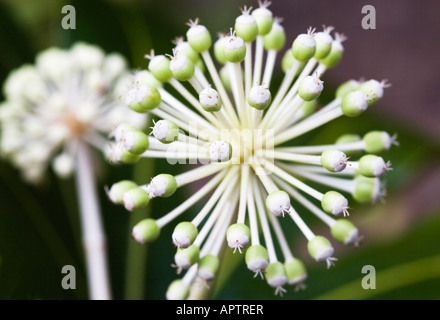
pixel 240 131
pixel 67 97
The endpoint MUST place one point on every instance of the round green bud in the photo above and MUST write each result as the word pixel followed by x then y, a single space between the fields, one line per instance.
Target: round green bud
pixel 323 43
pixel 349 138
pixel 142 98
pixel 345 232
pixel 117 190
pixel 210 100
pixel 303 47
pixel 120 155
pixel 276 274
pixel 159 66
pixel 182 67
pixel 135 142
pixel 186 257
pixel 234 49
pixel 296 272
pixel 278 202
pixel 184 48
pixel 219 53
pixel 146 78
pixel 377 141
pixel 320 248
pixel 287 60
pixel 276 38
pixel 135 198
pixel 373 89
pixel 198 37
pixel 333 58
pixel 208 267
pixel 257 258
pixel 119 132
pixel 177 290
pixel 145 231
pixel 308 108
pixel 259 97
pixel 163 185
pixel 220 151
pixel 354 103
pixel 310 88
pixel 246 27
pixel 184 234
pixel 166 131
pixel 371 166
pixel 367 190
pixel 238 236
pixel 334 203
pixel 264 19
pixel 226 80
pixel 347 87
pixel 333 160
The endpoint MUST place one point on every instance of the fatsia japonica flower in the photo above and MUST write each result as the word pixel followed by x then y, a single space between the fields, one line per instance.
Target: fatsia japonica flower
pixel 55 113
pixel 236 132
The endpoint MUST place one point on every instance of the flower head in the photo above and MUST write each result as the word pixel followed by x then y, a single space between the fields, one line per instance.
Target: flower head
pixel 241 131
pixel 65 97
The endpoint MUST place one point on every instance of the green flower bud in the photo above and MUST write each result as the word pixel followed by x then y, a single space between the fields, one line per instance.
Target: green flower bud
pixel 349 138
pixel 246 26
pixel 142 99
pixel 304 46
pixel 334 203
pixel 210 100
pixel 278 202
pixel 310 88
pixel 166 131
pixel 119 132
pixel 135 142
pixel 135 198
pixel 208 267
pixel 372 166
pixel 259 97
pixel 117 190
pixel 163 185
pixel 219 53
pixel 145 231
pixel 378 141
pixel 334 160
pixel 276 275
pixel 354 103
pixel 237 236
pixel 220 151
pixel 296 272
pixel 257 258
pixel 177 290
pixel 234 49
pixel 146 78
pixel 198 36
pixel 159 66
pixel 373 89
pixel 184 234
pixel 276 38
pixel 287 61
pixel 367 190
pixel 345 232
pixel 323 43
pixel 183 47
pixel 120 155
pixel 182 67
pixel 185 258
pixel 321 249
pixel 347 87
pixel 335 55
pixel 264 18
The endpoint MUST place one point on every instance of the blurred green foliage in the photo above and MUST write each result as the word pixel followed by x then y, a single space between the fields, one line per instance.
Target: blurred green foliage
pixel 39 227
